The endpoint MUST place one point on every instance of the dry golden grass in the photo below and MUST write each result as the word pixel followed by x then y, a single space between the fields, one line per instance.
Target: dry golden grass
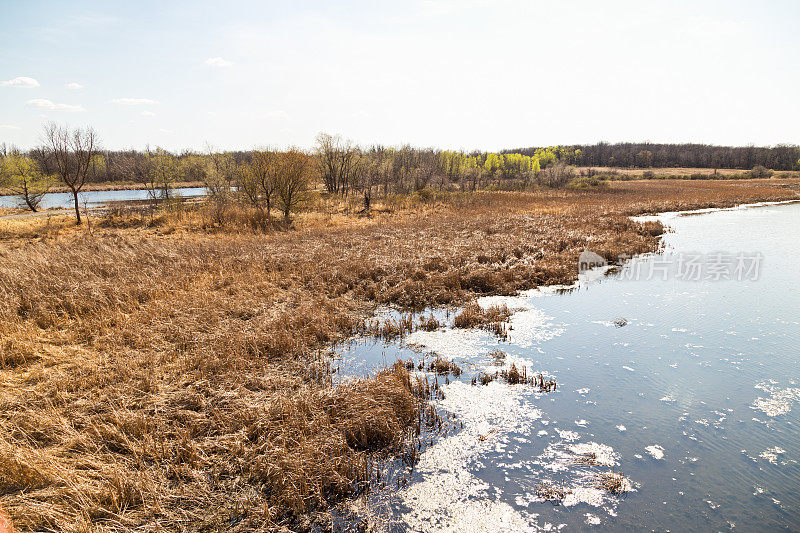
pixel 612 482
pixel 686 172
pixel 169 375
pixel 670 171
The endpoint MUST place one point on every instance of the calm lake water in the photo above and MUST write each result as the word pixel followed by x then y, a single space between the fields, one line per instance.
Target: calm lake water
pixel 696 399
pixel 96 198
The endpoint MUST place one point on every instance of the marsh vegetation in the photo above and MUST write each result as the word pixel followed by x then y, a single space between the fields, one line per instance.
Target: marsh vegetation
pixel 166 365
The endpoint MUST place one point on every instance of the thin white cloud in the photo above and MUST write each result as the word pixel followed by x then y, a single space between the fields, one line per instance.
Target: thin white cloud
pixel 74 86
pixel 9 127
pixel 218 62
pixel 147 114
pixel 23 82
pixel 283 115
pixel 93 19
pixel 133 101
pixel 44 103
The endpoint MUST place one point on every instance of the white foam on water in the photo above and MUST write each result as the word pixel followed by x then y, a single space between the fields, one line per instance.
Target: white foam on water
pixel 588 495
pixel 532 327
pixel 771 454
pixel 450 497
pixel 527 325
pixel 604 454
pixel 582 486
pixel 567 435
pixel 656 451
pixel 452 343
pixel 780 401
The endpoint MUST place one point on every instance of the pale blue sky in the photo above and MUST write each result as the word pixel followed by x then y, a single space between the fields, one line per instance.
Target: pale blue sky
pixel 458 74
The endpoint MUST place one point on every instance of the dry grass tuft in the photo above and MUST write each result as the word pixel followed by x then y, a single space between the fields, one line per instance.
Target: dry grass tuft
pixel 612 482
pixel 429 323
pixel 443 366
pixel 552 493
pixel 588 458
pixel 491 319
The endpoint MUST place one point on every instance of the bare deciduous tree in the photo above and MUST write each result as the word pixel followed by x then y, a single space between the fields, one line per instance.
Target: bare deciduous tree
pixel 259 181
pixel 70 152
pixel 426 170
pixel 337 160
pixel 556 176
pixel 294 179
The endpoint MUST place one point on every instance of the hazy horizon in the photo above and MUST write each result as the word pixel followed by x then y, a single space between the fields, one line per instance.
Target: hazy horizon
pixel 464 75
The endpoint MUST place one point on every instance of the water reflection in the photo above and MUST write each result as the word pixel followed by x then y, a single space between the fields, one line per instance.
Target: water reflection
pixel 694 399
pixel 97 198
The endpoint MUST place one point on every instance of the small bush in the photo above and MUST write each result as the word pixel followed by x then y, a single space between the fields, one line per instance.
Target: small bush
pixel 429 323
pixel 587 183
pixel 760 172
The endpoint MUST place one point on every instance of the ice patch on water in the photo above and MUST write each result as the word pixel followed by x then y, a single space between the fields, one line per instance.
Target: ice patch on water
pixel 622 428
pixel 668 399
pixel 656 451
pixel 629 369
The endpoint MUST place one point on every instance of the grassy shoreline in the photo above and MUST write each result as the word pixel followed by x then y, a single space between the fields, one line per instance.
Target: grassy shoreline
pixel 168 371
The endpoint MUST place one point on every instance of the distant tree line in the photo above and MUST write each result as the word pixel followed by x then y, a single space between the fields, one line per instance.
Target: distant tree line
pixel 647 155
pixel 267 178
pixel 345 168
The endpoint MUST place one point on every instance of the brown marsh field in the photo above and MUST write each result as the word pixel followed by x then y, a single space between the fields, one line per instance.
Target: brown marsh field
pixel 159 371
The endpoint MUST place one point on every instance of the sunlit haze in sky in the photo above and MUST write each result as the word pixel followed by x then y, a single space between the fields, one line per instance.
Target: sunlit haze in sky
pixel 467 74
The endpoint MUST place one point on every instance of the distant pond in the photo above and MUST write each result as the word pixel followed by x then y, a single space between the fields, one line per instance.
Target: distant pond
pixel 62 200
